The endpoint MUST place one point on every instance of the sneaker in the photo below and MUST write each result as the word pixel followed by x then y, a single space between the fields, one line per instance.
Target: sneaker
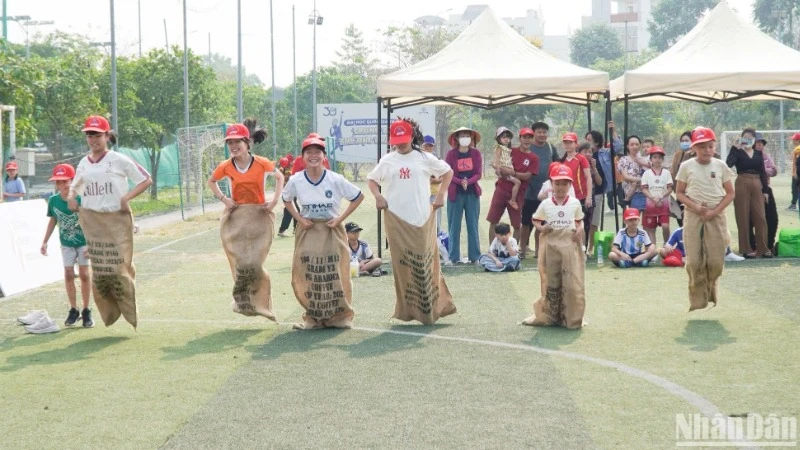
pixel 42 326
pixel 733 257
pixel 656 258
pixel 282 234
pixel 625 264
pixel 376 273
pixel 32 317
pixel 72 317
pixel 86 315
pixel 644 263
pixel 792 208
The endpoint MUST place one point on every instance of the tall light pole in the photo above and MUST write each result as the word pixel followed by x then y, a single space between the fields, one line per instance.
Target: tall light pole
pixel 114 117
pixel 314 19
pixel 12 18
pixel 294 78
pixel 239 101
pixel 272 58
pixel 185 70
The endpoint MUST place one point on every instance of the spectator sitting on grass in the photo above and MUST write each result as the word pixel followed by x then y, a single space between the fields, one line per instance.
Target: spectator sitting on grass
pixel 672 253
pixel 368 264
pixel 632 246
pixel 503 252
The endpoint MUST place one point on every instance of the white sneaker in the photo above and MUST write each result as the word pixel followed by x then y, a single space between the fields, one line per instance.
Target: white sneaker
pixel 656 259
pixel 42 326
pixel 733 257
pixel 32 317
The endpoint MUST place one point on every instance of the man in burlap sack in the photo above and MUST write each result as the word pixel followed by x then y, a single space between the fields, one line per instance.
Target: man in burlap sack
pixel 248 223
pixel 705 188
pixel 561 258
pixel 321 262
pixel 102 179
pixel 405 174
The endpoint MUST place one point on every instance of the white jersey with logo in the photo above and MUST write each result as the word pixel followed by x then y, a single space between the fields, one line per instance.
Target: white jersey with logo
pixel 320 200
pixel 102 184
pixel 560 215
pixel 657 184
pixel 405 179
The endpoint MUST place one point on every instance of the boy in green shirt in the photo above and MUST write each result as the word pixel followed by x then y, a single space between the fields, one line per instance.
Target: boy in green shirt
pixel 73 244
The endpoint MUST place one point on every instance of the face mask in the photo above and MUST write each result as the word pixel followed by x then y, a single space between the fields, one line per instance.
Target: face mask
pixel 464 141
pixel 686 146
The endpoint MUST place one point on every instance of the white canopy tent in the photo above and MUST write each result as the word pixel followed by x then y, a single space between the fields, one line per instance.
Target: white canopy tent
pixel 723 58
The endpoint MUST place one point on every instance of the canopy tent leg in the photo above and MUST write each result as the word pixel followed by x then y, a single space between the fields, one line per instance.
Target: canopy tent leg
pixel 388 146
pixel 380 112
pixel 588 111
pixel 613 164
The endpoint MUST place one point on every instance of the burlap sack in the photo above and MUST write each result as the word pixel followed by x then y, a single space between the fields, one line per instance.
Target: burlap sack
pixel 561 270
pixel 422 293
pixel 109 238
pixel 705 244
pixel 321 277
pixel 246 234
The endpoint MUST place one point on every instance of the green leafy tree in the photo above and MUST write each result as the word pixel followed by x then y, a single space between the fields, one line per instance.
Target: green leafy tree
pixel 671 19
pixel 779 18
pixel 19 80
pixel 226 70
pixel 591 44
pixel 354 56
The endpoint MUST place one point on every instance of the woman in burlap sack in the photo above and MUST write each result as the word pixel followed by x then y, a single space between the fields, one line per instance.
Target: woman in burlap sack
pixel 705 188
pixel 321 262
pixel 102 179
pixel 405 175
pixel 559 220
pixel 247 224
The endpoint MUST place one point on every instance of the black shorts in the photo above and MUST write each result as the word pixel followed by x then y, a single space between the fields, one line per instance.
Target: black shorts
pixel 528 209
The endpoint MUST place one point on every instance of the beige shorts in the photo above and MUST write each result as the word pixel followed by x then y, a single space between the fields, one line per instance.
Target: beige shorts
pixel 597 202
pixel 73 255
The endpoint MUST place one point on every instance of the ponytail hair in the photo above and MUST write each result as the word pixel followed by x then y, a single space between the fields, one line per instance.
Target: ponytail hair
pixel 257 135
pixel 417 138
pixel 112 137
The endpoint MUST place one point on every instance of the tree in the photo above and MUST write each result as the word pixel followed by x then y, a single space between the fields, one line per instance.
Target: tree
pixel 779 18
pixel 225 70
pixel 19 79
pixel 671 19
pixel 354 56
pixel 409 45
pixel 593 43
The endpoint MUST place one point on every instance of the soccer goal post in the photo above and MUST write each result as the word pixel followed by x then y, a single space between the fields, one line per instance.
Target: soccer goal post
pixel 200 149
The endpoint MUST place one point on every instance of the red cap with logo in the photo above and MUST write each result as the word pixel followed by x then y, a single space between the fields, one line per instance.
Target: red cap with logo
pixel 237 131
pixel 96 123
pixel 569 137
pixel 400 132
pixel 309 141
pixel 702 134
pixel 656 150
pixel 12 166
pixel 63 172
pixel 525 132
pixel 314 135
pixel 795 137
pixel 284 162
pixel 560 172
pixel 630 213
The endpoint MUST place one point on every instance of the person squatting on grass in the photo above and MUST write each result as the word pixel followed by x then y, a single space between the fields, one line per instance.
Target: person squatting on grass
pixel 405 174
pixel 705 188
pixel 673 251
pixel 561 260
pixel 321 264
pixel 632 246
pixel 102 179
pixel 657 187
pixel 503 252
pixel 247 224
pixel 73 244
pixel 368 263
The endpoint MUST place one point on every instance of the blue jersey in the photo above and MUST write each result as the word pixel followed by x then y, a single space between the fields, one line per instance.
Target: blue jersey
pixel 676 241
pixel 632 245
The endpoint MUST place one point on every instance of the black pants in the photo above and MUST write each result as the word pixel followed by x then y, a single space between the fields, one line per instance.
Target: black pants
pixel 587 219
pixel 771 212
pixel 288 218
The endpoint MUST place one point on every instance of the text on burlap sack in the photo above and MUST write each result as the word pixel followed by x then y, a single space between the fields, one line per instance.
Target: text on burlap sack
pixel 106 258
pixel 245 286
pixel 324 290
pixel 420 292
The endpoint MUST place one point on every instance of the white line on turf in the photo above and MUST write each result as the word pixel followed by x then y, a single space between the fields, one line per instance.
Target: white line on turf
pixel 159 247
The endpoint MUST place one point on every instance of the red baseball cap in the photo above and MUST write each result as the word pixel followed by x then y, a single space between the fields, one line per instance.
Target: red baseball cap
pixel 314 135
pixel 309 141
pixel 525 132
pixel 795 137
pixel 12 166
pixel 569 137
pixel 701 134
pixel 96 123
pixel 400 132
pixel 63 172
pixel 630 213
pixel 560 172
pixel 656 150
pixel 284 162
pixel 237 131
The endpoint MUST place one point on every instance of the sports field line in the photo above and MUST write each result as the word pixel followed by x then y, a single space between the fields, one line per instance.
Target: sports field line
pixel 159 247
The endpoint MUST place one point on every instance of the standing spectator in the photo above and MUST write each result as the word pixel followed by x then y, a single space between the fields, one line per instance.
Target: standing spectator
pixel 679 156
pixel 581 172
pixel 657 187
pixel 771 207
pixel 463 195
pixel 13 187
pixel 428 146
pixel 284 166
pixel 600 164
pixel 502 160
pixel 795 180
pixel 502 255
pixel 631 167
pixel 546 154
pixel 751 194
pixel 704 186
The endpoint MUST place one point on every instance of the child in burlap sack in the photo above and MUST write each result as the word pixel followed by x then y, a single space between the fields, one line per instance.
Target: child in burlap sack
pixel 705 188
pixel 561 260
pixel 321 264
pixel 247 224
pixel 502 158
pixel 405 175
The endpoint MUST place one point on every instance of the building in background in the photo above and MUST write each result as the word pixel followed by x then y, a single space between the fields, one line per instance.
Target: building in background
pixel 628 17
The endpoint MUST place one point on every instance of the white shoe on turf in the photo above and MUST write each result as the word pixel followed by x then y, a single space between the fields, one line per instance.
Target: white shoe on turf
pixel 32 317
pixel 733 257
pixel 42 326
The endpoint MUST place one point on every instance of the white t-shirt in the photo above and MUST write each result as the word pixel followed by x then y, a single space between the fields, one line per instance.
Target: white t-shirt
pixel 320 200
pixel 560 216
pixel 547 189
pixel 657 184
pixel 499 250
pixel 405 180
pixel 102 184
